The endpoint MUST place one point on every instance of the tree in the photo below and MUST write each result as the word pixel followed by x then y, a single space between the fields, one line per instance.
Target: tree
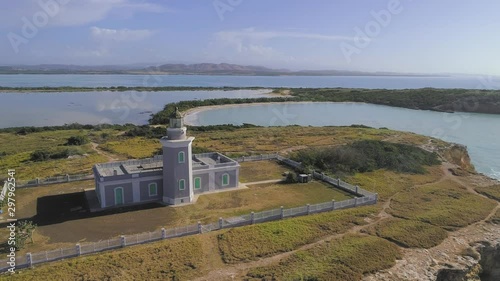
pixel 24 231
pixel 290 178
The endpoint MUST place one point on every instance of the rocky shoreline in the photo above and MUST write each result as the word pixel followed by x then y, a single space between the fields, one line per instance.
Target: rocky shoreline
pixel 471 253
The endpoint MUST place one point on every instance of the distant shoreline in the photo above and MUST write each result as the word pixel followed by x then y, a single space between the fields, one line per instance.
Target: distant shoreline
pixel 123 89
pixel 228 74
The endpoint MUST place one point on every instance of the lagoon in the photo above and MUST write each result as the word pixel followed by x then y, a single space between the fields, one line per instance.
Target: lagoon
pixel 479 132
pixel 371 82
pixel 50 109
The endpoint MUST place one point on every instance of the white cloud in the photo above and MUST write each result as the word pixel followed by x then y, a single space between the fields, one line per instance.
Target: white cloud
pixel 88 11
pixel 104 34
pixel 252 34
pixel 73 12
pixel 251 46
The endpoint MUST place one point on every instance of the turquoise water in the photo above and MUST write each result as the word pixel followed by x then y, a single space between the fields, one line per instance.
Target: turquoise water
pixel 49 109
pixel 479 132
pixel 379 82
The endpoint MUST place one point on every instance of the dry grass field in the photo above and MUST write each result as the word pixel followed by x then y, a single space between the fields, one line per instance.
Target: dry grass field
pixel 261 170
pixel 443 204
pixel 341 245
pixel 342 259
pixel 409 233
pixel 207 209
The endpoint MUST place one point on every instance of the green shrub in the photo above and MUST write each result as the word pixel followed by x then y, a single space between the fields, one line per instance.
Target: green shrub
pixel 40 155
pixel 58 153
pixel 77 140
pixel 367 156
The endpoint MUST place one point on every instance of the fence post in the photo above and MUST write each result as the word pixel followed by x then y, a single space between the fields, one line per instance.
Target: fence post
pixel 199 227
pixel 163 233
pixel 282 210
pixel 37 181
pixel 122 241
pixel 221 223
pixel 78 250
pixel 333 204
pixel 67 177
pixel 308 209
pixel 357 187
pixel 29 259
pixel 252 218
pixel 338 182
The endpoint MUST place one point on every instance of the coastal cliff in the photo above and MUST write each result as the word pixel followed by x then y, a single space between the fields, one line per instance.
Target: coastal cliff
pixel 471 253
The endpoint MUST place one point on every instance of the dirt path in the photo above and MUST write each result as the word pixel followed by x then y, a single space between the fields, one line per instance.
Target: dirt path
pixel 109 156
pixel 230 272
pixel 423 264
pixel 263 182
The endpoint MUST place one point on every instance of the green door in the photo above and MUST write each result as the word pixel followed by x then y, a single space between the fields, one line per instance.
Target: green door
pixel 119 196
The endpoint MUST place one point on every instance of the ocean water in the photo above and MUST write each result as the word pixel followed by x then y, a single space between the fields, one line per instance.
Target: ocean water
pixel 479 132
pixel 379 82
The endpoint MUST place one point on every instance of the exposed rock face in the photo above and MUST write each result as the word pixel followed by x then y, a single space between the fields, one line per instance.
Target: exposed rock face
pixel 457 154
pixel 490 263
pixel 487 268
pixel 470 274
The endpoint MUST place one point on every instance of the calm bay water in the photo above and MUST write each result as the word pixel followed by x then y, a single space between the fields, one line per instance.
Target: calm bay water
pixel 379 82
pixel 49 109
pixel 479 132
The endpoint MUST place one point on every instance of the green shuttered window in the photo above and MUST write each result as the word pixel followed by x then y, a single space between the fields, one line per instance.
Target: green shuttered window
pixel 197 183
pixel 225 179
pixel 153 189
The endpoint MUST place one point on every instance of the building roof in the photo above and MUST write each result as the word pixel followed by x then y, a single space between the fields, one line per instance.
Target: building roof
pixel 155 164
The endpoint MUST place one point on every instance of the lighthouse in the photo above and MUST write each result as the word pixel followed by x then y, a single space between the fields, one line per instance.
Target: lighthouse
pixel 177 162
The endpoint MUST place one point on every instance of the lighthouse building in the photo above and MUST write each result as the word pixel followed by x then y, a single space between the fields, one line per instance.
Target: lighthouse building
pixel 172 178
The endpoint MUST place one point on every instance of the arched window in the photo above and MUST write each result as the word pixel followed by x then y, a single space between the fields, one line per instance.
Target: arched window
pixel 197 183
pixel 182 184
pixel 153 189
pixel 180 157
pixel 225 179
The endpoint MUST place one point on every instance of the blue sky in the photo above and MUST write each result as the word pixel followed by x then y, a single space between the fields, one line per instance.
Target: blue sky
pixel 423 36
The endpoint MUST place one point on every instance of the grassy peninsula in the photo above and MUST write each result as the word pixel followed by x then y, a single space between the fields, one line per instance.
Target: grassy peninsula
pixel 449 100
pixel 438 201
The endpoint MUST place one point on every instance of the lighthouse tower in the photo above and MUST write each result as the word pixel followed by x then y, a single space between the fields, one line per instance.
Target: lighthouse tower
pixel 177 162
